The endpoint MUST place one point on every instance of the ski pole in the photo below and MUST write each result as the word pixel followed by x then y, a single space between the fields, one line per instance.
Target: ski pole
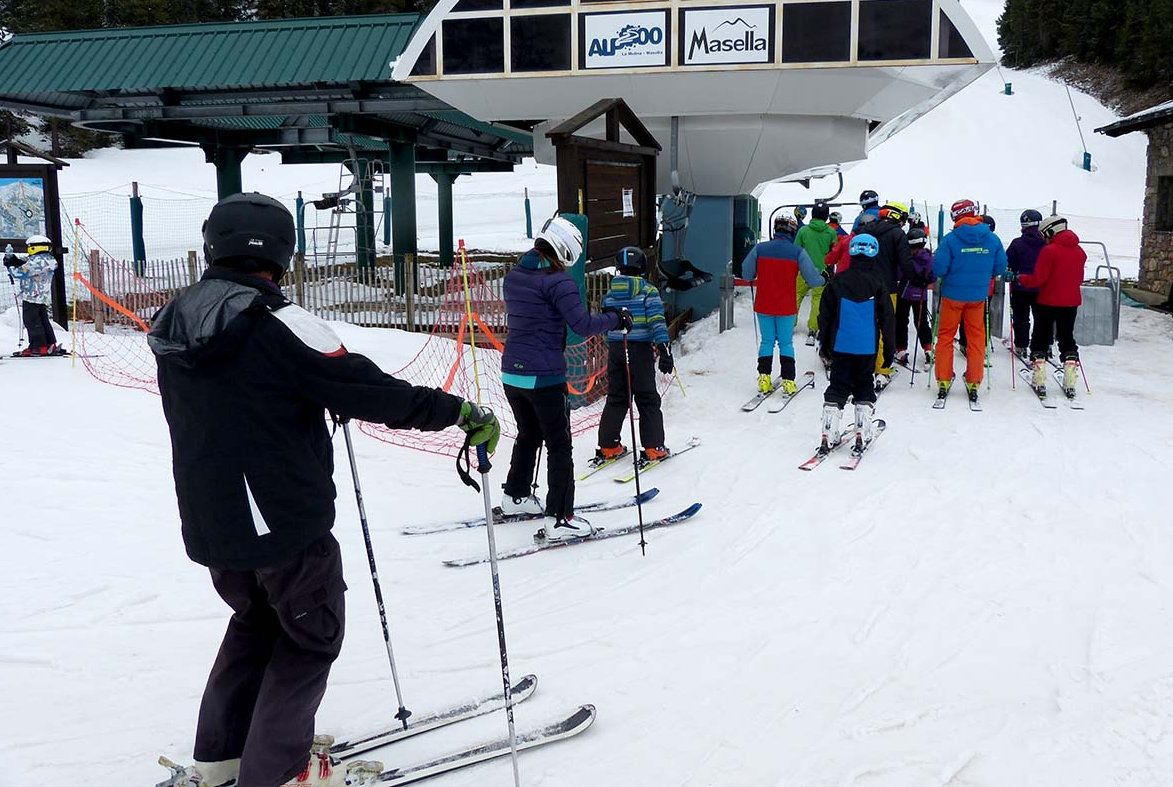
pixel 1083 374
pixel 989 346
pixel 676 377
pixel 537 471
pixel 920 312
pixel 936 331
pixel 403 712
pixel 483 467
pixel 639 507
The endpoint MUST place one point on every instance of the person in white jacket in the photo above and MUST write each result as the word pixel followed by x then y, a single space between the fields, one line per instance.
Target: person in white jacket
pixel 34 274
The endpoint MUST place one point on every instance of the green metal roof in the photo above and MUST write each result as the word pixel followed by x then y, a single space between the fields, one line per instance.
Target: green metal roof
pixel 220 56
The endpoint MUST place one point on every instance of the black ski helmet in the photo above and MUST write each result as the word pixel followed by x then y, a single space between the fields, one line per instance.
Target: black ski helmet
pixel 631 261
pixel 869 199
pixel 1030 218
pixel 250 231
pixel 820 211
pixel 988 220
pixel 917 237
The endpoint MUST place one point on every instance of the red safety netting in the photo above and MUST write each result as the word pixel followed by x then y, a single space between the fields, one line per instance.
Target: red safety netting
pixel 463 357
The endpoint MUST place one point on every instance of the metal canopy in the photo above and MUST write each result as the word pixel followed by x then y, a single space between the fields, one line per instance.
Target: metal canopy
pixel 313 89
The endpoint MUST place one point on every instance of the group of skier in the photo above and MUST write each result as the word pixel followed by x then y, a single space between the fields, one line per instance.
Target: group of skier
pixel 866 285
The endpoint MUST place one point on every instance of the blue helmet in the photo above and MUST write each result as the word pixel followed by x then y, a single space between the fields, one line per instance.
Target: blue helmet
pixel 865 245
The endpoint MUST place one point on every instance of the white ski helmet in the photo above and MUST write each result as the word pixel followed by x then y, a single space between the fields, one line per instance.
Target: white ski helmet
pixel 1052 226
pixel 37 244
pixel 564 238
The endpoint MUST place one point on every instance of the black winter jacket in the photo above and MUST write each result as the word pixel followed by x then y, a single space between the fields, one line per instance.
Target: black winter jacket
pixel 895 258
pixel 246 378
pixel 845 297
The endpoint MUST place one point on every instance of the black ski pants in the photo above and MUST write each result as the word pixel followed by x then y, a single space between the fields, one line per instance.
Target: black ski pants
pixel 646 396
pixel 919 312
pixel 270 674
pixel 36 322
pixel 542 416
pixel 1022 306
pixel 851 376
pixel 1053 322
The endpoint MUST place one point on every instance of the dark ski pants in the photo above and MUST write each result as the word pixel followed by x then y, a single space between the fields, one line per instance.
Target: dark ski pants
pixel 36 322
pixel 919 312
pixel 851 376
pixel 646 395
pixel 1053 322
pixel 270 674
pixel 1022 306
pixel 542 415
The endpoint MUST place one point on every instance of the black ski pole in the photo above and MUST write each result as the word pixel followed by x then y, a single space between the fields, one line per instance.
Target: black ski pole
pixel 639 507
pixel 403 712
pixel 483 467
pixel 920 313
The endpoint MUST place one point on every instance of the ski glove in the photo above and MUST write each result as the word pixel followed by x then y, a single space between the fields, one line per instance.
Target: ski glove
pixel 1010 276
pixel 480 424
pixel 626 322
pixel 666 364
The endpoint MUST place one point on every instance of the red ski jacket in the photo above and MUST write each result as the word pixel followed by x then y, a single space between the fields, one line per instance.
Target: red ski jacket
pixel 838 259
pixel 1059 271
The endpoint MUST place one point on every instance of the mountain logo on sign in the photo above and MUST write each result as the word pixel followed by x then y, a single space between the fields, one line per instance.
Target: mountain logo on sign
pixel 731 40
pixel 628 37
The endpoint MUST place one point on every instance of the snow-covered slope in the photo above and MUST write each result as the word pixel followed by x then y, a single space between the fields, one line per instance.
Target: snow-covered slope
pixel 983 603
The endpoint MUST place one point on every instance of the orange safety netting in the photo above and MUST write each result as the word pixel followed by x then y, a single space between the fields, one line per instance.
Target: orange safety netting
pixel 462 356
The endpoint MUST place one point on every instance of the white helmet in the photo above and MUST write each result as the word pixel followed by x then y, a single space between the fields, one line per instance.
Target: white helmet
pixel 38 243
pixel 564 238
pixel 1052 225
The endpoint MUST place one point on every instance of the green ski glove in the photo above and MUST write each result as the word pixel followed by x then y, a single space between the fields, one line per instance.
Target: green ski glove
pixel 481 425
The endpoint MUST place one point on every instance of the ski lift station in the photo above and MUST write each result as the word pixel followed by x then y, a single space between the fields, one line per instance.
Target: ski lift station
pixel 724 95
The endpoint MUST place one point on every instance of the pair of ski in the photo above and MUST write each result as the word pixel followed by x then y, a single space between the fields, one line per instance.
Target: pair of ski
pixel 784 400
pixel 1027 375
pixel 363 773
pixel 847 437
pixel 62 354
pixel 645 464
pixel 975 404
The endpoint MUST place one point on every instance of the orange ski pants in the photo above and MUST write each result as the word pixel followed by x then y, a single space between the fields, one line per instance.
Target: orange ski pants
pixel 953 315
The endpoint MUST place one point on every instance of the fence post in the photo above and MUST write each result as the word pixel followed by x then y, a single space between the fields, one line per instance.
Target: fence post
pixel 409 289
pixel 98 307
pixel 192 267
pixel 299 278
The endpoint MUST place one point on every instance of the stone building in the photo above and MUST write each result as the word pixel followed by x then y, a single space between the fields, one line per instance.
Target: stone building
pixel 1156 246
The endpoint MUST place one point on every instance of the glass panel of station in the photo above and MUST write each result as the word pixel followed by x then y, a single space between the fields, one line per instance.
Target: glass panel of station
pixel 478 5
pixel 426 64
pixel 950 42
pixel 474 46
pixel 816 32
pixel 540 42
pixel 524 4
pixel 895 29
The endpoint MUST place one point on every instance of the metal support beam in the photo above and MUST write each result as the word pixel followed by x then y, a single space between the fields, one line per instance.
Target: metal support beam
pixel 444 183
pixel 364 217
pixel 404 240
pixel 227 160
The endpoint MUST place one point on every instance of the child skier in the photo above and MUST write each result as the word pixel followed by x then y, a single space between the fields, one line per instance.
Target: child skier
pixel 855 320
pixel 913 299
pixel 816 239
pixel 869 203
pixel 629 291
pixel 835 220
pixel 774 266
pixel 1021 258
pixel 1058 275
pixel 35 274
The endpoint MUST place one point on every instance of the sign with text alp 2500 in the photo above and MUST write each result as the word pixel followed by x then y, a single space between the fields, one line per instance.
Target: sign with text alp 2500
pixel 625 39
pixel 734 34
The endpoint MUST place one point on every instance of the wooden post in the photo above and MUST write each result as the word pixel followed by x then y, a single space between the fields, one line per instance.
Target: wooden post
pixel 409 289
pixel 98 307
pixel 193 273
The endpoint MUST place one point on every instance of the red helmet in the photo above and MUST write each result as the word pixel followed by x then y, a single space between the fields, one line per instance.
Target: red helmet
pixel 963 208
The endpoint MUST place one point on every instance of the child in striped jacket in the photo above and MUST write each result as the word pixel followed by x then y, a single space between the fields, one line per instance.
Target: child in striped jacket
pixel 630 291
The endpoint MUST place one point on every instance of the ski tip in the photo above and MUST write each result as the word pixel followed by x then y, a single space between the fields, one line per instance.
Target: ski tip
pixel 648 494
pixel 691 510
pixel 526 684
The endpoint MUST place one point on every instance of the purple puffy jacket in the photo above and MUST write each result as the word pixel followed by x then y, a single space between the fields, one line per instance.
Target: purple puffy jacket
pixel 922 276
pixel 541 303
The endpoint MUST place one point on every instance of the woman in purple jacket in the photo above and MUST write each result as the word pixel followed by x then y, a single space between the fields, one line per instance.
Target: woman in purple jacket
pixel 542 300
pixel 1021 258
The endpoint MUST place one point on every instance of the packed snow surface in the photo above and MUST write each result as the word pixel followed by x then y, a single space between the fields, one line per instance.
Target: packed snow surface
pixel 984 602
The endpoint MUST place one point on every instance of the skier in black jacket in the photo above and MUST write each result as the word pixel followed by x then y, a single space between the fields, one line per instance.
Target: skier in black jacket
pixel 894 261
pixel 246 380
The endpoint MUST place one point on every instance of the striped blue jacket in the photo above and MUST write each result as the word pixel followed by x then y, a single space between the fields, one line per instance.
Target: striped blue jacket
pixel 646 307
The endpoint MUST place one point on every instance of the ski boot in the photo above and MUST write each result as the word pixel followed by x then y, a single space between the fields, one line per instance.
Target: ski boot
pixel 1038 376
pixel 216 774
pixel 943 387
pixel 832 416
pixel 971 390
pixel 901 357
pixel 520 506
pixel 928 356
pixel 765 384
pixel 564 529
pixel 609 454
pixel 1023 353
pixel 864 426
pixel 1070 368
pixel 323 771
pixel 655 454
pixel 789 387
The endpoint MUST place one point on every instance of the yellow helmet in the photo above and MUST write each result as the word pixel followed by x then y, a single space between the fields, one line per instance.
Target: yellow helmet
pixel 896 211
pixel 37 244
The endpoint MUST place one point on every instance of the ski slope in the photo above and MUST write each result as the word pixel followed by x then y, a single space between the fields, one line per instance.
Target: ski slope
pixel 982 603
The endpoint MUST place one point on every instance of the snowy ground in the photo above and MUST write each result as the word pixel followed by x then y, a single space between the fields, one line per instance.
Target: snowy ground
pixel 983 603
